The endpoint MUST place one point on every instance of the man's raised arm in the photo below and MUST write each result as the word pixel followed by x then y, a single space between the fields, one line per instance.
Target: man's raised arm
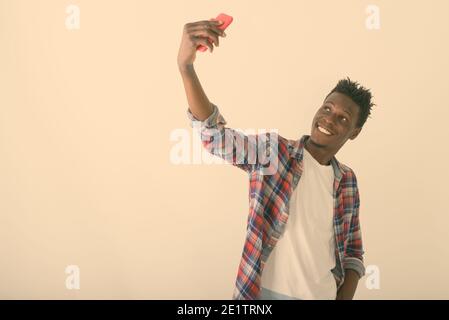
pixel 195 34
pixel 246 152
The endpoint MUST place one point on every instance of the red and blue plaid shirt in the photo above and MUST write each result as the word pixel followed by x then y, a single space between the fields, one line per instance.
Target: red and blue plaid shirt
pixel 269 195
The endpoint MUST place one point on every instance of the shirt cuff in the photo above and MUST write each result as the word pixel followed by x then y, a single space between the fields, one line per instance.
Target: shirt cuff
pixel 356 265
pixel 212 121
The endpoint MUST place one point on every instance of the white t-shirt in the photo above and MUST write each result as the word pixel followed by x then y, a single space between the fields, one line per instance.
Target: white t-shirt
pixel 299 266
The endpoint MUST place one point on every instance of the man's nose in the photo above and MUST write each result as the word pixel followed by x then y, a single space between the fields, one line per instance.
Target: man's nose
pixel 330 121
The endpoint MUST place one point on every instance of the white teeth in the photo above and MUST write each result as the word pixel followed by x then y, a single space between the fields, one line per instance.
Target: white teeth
pixel 324 131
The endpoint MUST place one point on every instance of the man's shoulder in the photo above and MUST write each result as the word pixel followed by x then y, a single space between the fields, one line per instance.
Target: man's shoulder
pixel 349 176
pixel 346 169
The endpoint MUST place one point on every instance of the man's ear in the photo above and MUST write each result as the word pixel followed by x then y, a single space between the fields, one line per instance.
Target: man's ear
pixel 355 133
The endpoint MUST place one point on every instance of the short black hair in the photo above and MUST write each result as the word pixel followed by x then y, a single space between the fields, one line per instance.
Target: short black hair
pixel 360 95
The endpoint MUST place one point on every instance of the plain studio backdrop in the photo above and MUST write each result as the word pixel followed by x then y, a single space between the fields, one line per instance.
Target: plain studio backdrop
pixel 87 111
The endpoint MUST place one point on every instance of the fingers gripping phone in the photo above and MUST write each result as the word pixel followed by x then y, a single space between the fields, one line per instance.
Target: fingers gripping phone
pixel 226 22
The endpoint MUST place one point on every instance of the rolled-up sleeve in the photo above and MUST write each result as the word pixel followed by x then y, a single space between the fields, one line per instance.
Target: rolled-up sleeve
pixel 354 251
pixel 213 121
pixel 233 146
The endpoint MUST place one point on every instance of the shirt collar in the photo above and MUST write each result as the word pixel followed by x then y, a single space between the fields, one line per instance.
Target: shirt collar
pixel 296 150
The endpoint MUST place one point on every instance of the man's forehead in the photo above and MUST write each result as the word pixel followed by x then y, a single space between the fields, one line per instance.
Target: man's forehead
pixel 343 101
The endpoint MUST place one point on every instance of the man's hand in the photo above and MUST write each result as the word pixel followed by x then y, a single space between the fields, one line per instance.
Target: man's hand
pixel 195 34
pixel 349 286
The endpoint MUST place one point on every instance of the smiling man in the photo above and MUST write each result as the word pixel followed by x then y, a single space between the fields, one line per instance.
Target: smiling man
pixel 339 118
pixel 319 254
pixel 303 236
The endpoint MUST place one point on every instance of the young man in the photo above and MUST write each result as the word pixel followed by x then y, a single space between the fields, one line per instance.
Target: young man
pixel 318 254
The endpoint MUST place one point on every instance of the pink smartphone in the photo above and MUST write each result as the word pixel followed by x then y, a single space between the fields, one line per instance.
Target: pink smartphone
pixel 226 22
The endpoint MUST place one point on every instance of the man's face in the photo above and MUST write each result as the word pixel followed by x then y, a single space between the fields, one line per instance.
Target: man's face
pixel 339 115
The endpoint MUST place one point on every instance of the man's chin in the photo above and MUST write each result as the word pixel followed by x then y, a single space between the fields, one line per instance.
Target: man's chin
pixel 317 141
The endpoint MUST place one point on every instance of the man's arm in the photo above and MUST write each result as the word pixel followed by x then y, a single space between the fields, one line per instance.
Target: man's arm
pixel 353 259
pixel 193 35
pixel 235 147
pixel 198 102
pixel 349 286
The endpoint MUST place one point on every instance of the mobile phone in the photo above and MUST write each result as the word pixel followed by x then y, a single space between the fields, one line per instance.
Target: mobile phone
pixel 226 22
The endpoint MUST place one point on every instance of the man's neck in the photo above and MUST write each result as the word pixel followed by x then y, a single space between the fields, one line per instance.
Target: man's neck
pixel 319 153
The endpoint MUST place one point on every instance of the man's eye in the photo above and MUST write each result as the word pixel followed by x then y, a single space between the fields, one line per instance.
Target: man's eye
pixel 345 120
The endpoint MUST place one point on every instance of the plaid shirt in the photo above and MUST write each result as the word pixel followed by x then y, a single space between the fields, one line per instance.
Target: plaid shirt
pixel 269 195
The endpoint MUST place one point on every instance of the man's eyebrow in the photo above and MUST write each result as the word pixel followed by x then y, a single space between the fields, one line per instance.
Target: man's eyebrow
pixel 344 109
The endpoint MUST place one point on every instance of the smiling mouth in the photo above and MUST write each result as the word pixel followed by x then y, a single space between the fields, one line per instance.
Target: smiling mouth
pixel 324 130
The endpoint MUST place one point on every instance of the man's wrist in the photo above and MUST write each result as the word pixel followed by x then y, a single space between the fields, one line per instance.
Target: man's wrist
pixel 185 68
